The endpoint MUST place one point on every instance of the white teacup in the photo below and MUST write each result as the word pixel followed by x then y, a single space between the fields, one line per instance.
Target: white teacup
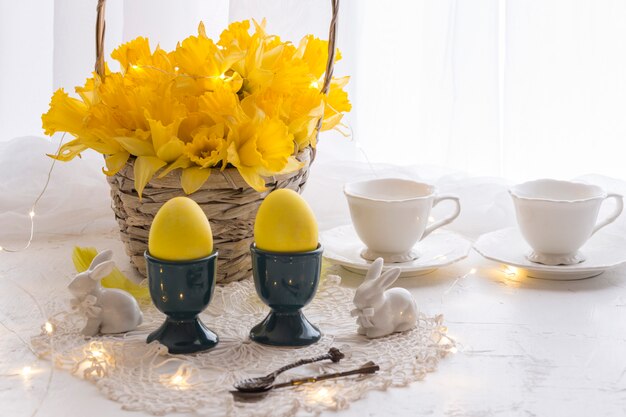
pixel 391 215
pixel 556 218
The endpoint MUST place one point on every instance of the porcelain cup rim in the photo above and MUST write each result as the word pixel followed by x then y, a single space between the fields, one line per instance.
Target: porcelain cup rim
pixel 352 194
pixel 516 191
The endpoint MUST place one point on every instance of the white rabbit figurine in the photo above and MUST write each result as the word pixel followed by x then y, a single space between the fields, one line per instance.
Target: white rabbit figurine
pixel 108 310
pixel 379 312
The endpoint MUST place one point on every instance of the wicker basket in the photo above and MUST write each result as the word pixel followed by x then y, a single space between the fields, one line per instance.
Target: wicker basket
pixel 228 201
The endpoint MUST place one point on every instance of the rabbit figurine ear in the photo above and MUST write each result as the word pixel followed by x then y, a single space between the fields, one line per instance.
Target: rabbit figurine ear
pixel 374 270
pixel 103 256
pixel 101 270
pixel 388 278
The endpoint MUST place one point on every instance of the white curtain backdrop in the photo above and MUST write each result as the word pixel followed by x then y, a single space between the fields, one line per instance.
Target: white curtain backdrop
pixel 457 90
pixel 511 88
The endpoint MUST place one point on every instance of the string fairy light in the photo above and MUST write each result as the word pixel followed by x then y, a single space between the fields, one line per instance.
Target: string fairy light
pixel 511 272
pixel 178 74
pixel 513 276
pixel 48 327
pixel 321 395
pixel 456 281
pixel 181 379
pixel 96 361
pixel 26 371
pixel 33 207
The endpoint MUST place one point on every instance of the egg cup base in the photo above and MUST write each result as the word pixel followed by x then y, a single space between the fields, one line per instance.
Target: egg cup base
pixel 184 336
pixel 285 328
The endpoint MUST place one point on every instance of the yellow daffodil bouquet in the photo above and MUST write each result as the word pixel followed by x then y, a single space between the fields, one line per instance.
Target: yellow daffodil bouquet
pixel 250 101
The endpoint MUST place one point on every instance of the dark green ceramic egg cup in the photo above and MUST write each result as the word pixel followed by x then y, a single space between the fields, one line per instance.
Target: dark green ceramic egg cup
pixel 286 282
pixel 182 290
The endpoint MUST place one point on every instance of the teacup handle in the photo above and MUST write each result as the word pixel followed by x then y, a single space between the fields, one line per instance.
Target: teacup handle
pixel 619 206
pixel 438 199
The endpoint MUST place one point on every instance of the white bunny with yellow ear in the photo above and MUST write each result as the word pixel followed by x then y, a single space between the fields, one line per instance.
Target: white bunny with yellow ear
pixel 381 311
pixel 108 310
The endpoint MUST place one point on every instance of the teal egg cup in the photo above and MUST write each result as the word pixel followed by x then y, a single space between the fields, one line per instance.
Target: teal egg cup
pixel 182 290
pixel 286 282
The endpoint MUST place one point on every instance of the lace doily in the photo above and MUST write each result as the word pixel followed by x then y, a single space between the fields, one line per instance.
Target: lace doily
pixel 144 377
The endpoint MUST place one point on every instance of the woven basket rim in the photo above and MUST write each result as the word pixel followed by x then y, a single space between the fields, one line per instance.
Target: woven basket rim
pixel 228 177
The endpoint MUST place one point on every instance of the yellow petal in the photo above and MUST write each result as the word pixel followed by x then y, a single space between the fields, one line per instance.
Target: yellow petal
pixel 249 153
pixel 82 257
pixel 69 151
pixel 232 156
pixel 252 178
pixel 292 165
pixel 171 151
pixel 237 35
pixel 115 162
pixel 108 147
pixel 136 51
pixel 198 55
pixel 222 105
pixel 136 146
pixel 332 121
pixel 163 134
pixel 275 142
pixel 145 168
pixel 66 114
pixel 193 178
pixel 340 82
pixel 182 162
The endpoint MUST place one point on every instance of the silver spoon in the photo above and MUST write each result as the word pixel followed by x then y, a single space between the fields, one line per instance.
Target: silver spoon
pixel 367 368
pixel 264 383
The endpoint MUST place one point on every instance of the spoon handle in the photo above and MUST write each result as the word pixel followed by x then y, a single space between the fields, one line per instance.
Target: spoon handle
pixel 367 368
pixel 334 354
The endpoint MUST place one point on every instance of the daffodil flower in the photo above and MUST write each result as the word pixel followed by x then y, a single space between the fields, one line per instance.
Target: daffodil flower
pixel 250 101
pixel 261 148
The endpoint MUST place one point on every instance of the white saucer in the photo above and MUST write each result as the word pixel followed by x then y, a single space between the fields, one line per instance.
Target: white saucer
pixel 342 246
pixel 603 251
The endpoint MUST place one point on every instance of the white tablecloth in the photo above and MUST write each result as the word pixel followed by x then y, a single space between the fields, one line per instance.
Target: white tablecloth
pixel 528 347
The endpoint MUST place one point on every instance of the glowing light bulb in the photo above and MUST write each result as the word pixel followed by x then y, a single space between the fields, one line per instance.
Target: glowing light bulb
pixel 31 213
pixel 48 327
pixel 510 271
pixel 26 371
pixel 322 395
pixel 97 353
pixel 135 67
pixel 472 271
pixel 223 76
pixel 179 380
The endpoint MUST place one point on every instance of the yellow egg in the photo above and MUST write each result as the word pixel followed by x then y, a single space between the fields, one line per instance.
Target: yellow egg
pixel 285 223
pixel 180 231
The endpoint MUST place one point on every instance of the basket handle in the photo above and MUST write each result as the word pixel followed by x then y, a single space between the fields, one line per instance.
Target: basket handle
pixel 100 27
pixel 330 64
